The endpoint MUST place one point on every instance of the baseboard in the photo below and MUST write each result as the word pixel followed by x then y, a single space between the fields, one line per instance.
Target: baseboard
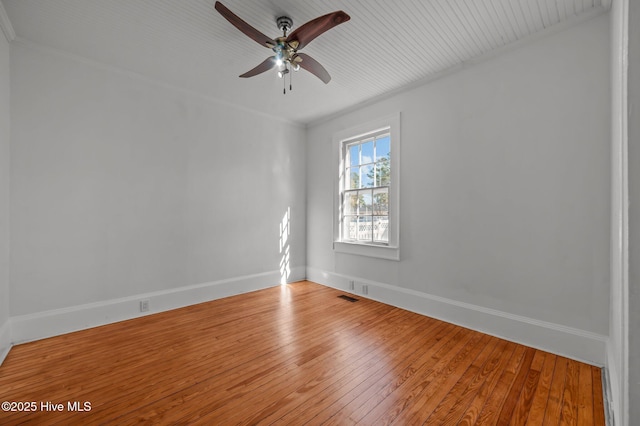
pixel 611 386
pixel 5 339
pixel 40 325
pixel 607 398
pixel 566 341
pixel 555 338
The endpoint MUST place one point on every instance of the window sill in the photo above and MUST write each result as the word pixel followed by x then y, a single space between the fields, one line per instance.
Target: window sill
pixel 370 250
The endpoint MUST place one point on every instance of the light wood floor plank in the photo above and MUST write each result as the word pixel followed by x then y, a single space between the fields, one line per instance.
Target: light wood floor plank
pixel 401 392
pixel 491 409
pixel 598 399
pixel 585 396
pixel 376 388
pixel 541 397
pixel 570 395
pixel 517 387
pixel 295 354
pixel 340 386
pixel 463 389
pixel 444 390
pixel 363 376
pixel 472 413
pixel 554 405
pixel 459 402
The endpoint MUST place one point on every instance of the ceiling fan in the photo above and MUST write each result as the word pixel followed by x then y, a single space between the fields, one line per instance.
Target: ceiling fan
pixel 287 55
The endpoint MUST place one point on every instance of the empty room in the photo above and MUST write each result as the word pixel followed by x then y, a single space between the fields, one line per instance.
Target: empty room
pixel 341 212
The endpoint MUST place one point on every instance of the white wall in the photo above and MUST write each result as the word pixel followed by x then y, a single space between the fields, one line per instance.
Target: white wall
pixel 634 216
pixel 4 195
pixel 505 185
pixel 124 187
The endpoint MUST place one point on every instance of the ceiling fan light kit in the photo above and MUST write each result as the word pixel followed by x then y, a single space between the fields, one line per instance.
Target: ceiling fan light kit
pixel 287 55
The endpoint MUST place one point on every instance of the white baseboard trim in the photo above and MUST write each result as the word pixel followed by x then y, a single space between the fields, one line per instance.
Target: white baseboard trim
pixel 5 339
pixel 40 325
pixel 611 386
pixel 555 338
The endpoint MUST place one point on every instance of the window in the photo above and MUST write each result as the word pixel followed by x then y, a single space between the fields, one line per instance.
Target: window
pixel 367 195
pixel 365 199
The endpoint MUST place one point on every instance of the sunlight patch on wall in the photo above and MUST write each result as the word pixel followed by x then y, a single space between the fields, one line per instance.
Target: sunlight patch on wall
pixel 285 231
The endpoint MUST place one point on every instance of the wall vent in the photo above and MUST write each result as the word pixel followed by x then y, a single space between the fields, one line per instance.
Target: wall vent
pixel 348 298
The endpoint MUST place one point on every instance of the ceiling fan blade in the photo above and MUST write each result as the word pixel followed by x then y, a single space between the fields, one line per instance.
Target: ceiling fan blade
pixel 313 66
pixel 244 27
pixel 312 29
pixel 266 65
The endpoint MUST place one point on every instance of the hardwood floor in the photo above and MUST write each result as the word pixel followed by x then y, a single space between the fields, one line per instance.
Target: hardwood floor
pixel 293 355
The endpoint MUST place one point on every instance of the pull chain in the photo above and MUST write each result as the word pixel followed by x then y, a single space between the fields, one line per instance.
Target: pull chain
pixel 284 79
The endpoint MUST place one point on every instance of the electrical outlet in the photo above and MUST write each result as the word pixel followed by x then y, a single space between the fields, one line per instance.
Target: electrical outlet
pixel 352 285
pixel 365 289
pixel 144 305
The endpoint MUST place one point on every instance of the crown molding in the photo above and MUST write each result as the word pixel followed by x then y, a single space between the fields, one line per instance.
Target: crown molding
pixel 5 24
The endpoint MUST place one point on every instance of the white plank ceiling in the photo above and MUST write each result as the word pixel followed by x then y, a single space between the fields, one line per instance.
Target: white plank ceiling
pixel 387 45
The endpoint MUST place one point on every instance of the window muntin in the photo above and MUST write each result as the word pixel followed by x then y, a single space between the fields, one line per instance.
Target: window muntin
pixel 366 181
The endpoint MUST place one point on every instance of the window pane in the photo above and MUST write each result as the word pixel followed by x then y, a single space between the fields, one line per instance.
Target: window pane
pixel 366 203
pixel 383 173
pixel 381 229
pixel 367 152
pixel 383 149
pixel 381 201
pixel 367 176
pixel 351 203
pixel 354 157
pixel 364 228
pixel 350 228
pixel 353 178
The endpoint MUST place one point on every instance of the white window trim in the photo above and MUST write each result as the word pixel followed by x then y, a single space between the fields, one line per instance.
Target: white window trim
pixel 389 251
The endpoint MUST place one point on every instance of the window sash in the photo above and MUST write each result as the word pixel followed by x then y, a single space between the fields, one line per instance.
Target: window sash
pixel 362 220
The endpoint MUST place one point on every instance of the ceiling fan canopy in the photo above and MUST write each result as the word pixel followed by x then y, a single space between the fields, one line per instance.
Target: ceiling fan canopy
pixel 287 55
